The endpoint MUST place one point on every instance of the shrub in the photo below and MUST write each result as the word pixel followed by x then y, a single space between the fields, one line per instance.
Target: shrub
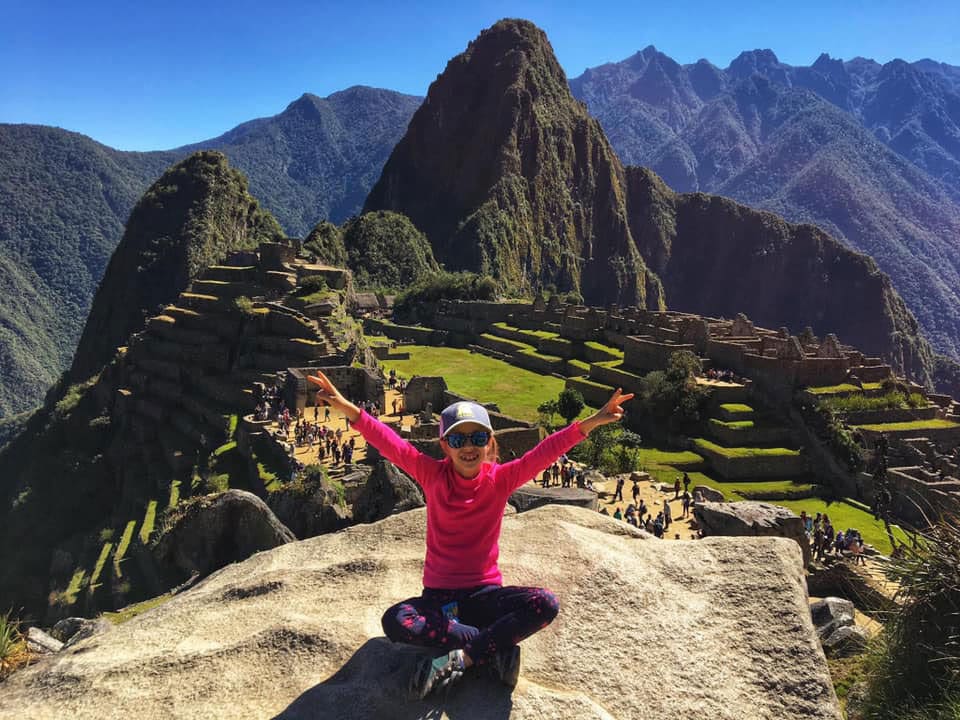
pixel 915 668
pixel 419 303
pixel 386 249
pixel 244 305
pixel 325 243
pixel 569 404
pixel 311 285
pixel 12 648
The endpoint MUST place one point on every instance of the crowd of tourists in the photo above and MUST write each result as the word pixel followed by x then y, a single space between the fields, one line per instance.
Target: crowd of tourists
pixel 826 540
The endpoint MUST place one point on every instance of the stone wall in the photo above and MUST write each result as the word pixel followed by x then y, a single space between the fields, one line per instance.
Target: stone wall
pixel 750 437
pixel 744 468
pixel 645 354
pixel 559 347
pixel 413 333
pixel 542 364
pixel 356 384
pixel 424 389
pixel 594 394
pixel 615 378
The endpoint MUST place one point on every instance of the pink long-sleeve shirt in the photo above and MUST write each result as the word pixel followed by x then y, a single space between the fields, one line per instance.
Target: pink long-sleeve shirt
pixel 464 515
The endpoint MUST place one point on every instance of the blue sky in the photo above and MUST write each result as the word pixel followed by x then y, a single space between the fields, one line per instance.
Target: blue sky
pixel 150 76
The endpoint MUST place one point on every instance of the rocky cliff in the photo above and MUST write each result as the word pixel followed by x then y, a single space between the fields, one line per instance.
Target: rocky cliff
pixel 715 628
pixel 506 174
pixel 509 176
pixel 193 216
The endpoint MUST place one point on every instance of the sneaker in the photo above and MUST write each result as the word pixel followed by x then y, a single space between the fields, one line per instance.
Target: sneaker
pixel 435 673
pixel 505 666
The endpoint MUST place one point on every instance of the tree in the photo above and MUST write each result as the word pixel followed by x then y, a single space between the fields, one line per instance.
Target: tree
pixel 547 410
pixel 626 451
pixel 569 404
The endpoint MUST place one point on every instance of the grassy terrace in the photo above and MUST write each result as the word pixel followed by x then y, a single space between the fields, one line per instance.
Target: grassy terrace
pixel 934 424
pixel 736 408
pixel 842 388
pixel 514 343
pixel 673 458
pixel 739 489
pixel 516 391
pixel 733 424
pixel 604 348
pixel 541 334
pixel 744 452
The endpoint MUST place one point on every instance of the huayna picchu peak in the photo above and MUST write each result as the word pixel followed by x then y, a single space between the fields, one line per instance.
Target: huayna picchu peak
pixel 507 174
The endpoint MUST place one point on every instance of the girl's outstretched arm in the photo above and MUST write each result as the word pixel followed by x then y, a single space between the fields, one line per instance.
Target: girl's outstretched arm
pixel 611 412
pixel 328 393
pixel 534 462
pixel 391 446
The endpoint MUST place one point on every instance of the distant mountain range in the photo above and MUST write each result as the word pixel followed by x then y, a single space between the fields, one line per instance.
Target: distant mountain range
pixel 64 201
pixel 870 153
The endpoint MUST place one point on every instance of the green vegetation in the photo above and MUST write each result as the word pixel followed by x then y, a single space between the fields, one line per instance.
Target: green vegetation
pixel 76 583
pixel 101 561
pixel 736 408
pixel 122 548
pixel 325 243
pixel 131 611
pixel 537 334
pixel 675 458
pixel 13 652
pixel 669 401
pixel 934 424
pixel 569 404
pixel 734 490
pixel 860 402
pixel 513 343
pixel 580 365
pixel 516 391
pixel 600 347
pixel 385 249
pixel 733 424
pixel 744 452
pixel 913 670
pixel 149 518
pixel 845 514
pixel 842 388
pixel 419 303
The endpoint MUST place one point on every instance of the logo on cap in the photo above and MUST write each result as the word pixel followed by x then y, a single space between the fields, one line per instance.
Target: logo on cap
pixel 464 410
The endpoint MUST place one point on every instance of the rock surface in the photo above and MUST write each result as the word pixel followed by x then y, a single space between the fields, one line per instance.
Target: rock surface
pixel 708 493
pixel 846 641
pixel 830 614
pixel 295 633
pixel 39 642
pixel 530 496
pixel 72 630
pixel 218 530
pixel 387 492
pixel 752 518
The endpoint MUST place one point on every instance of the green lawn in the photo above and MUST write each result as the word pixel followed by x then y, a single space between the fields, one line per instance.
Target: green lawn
pixel 736 408
pixel 131 611
pixel 733 424
pixel 843 515
pixel 653 456
pixel 934 424
pixel 735 490
pixel 842 388
pixel 517 392
pixel 743 452
pixel 532 333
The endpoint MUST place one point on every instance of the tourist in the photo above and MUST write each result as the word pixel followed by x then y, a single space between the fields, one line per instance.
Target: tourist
pixel 856 549
pixel 676 488
pixel 686 504
pixel 464 608
pixel 618 495
pixel 617 515
pixel 658 526
pixel 667 515
pixel 635 492
pixel 546 478
pixel 686 482
pixel 643 508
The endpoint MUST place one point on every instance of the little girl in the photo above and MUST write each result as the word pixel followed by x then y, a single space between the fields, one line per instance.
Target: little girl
pixel 464 608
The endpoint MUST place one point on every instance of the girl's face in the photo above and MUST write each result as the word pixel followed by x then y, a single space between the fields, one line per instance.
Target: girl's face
pixel 467 459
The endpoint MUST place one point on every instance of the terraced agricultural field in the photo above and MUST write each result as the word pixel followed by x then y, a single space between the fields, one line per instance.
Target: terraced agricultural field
pixel 516 391
pixel 934 424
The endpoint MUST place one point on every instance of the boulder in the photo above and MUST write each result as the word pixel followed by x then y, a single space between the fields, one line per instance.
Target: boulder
pixel 831 614
pixel 41 643
pixel 532 496
pixel 388 491
pixel 752 518
pixel 846 641
pixel 216 530
pixel 72 630
pixel 311 506
pixel 294 632
pixel 708 493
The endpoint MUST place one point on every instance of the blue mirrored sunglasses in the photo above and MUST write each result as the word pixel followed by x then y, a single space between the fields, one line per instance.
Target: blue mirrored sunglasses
pixel 478 438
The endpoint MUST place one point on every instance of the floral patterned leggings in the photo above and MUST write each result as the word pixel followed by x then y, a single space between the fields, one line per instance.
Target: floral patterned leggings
pixel 484 618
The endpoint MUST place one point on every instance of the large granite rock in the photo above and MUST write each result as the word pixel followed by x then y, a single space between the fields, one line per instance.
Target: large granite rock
pixel 831 614
pixel 294 632
pixel 311 507
pixel 72 630
pixel 532 496
pixel 217 530
pixel 752 518
pixel 388 491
